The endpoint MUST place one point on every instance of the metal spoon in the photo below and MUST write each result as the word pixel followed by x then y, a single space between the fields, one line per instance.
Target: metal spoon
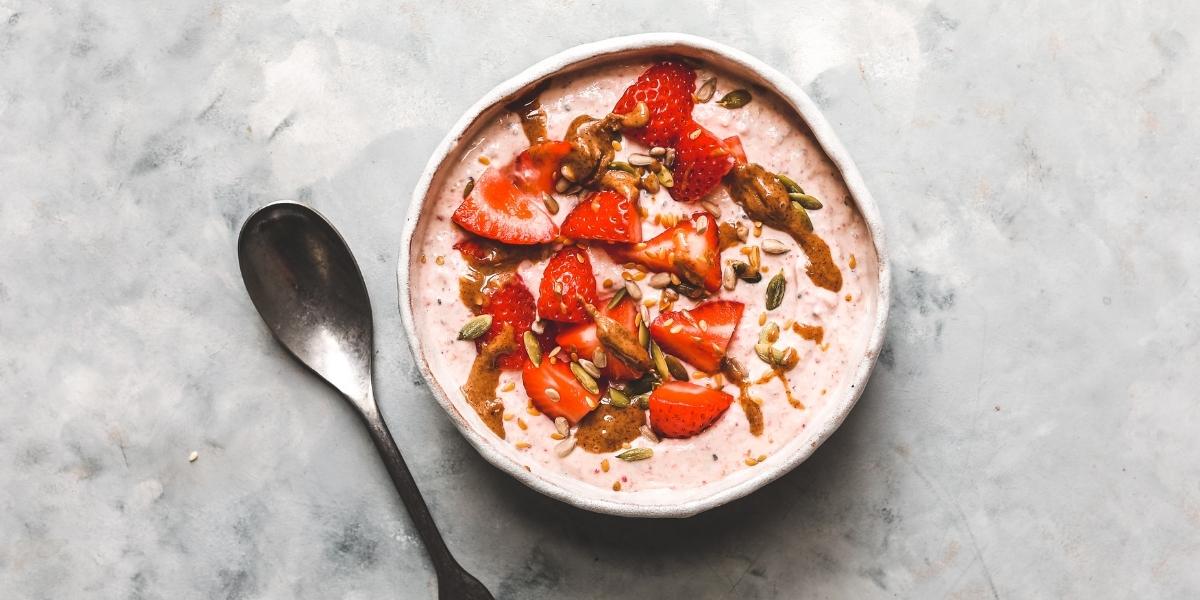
pixel 306 285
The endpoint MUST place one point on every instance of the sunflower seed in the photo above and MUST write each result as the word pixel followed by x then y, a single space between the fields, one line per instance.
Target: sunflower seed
pixel 567 173
pixel 676 368
pixel 532 348
pixel 590 367
pixel 743 232
pixel 616 299
pixel 669 159
pixel 728 278
pixel 643 334
pixel 774 246
pixel 585 380
pixel 617 398
pixel 789 184
pixel 660 362
pixel 648 433
pixel 538 327
pixel 769 332
pixel 562 426
pixel 776 288
pixel 763 350
pixel 660 280
pixel 564 447
pixel 475 327
pixel 706 91
pixel 551 204
pixel 658 152
pixel 665 177
pixel 641 160
pixel 735 99
pixel 633 454
pixel 711 208
pixel 808 202
pixel 599 358
pixel 561 185
pixel 470 186
pixel 633 289
pixel 574 189
pixel 553 394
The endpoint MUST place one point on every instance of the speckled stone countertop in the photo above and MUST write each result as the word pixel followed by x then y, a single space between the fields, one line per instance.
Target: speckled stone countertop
pixel 1031 430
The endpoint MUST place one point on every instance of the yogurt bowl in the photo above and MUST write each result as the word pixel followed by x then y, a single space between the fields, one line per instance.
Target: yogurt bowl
pixel 833 330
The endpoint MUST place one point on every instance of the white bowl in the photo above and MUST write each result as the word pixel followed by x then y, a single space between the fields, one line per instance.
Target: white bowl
pixel 841 400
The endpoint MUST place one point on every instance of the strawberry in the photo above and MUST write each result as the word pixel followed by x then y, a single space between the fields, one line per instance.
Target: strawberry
pixel 734 144
pixel 497 210
pixel 568 278
pixel 508 301
pixel 666 88
pixel 699 335
pixel 534 169
pixel 572 403
pixel 680 409
pixel 690 249
pixel 701 160
pixel 583 341
pixel 604 215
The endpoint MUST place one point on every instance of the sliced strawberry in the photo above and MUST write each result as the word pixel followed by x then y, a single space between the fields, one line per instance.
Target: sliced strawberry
pixel 497 210
pixel 534 169
pixel 701 160
pixel 568 278
pixel 666 88
pixel 699 335
pixel 583 341
pixel 680 409
pixel 690 249
pixel 604 215
pixel 734 144
pixel 508 301
pixel 572 403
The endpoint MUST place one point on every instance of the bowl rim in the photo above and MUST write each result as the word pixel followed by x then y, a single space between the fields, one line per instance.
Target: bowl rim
pixel 808 112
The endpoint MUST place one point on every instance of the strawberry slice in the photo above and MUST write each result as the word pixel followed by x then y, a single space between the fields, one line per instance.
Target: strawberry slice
pixel 508 301
pixel 534 169
pixel 701 160
pixel 604 215
pixel 568 278
pixel 568 399
pixel 690 249
pixel 498 210
pixel 583 341
pixel 699 335
pixel 680 409
pixel 734 144
pixel 666 88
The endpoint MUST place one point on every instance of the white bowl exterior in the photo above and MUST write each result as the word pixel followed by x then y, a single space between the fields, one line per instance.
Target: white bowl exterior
pixel 755 71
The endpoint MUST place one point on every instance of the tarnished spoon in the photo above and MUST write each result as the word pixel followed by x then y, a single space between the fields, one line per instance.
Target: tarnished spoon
pixel 307 287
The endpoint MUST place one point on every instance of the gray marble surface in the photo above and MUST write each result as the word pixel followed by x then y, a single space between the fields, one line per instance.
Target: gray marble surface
pixel 1031 431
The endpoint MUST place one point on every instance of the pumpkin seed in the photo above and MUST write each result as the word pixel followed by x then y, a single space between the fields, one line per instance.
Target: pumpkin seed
pixel 565 447
pixel 789 184
pixel 533 348
pixel 633 454
pixel 665 177
pixel 660 362
pixel 470 186
pixel 735 99
pixel 776 288
pixel 633 289
pixel 551 204
pixel 774 246
pixel 616 299
pixel 599 358
pixel 562 426
pixel 641 160
pixel 585 380
pixel 803 214
pixel 676 368
pixel 642 401
pixel 475 327
pixel 728 278
pixel 617 398
pixel 660 280
pixel 621 165
pixel 706 91
pixel 808 202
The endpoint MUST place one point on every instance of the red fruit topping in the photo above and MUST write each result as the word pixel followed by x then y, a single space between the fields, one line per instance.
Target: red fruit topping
pixel 568 278
pixel 568 399
pixel 666 88
pixel 497 210
pixel 680 409
pixel 508 301
pixel 701 160
pixel 583 341
pixel 699 335
pixel 690 249
pixel 604 215
pixel 534 169
pixel 734 144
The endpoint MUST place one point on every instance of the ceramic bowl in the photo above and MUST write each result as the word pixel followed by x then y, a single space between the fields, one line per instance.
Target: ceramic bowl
pixel 655 503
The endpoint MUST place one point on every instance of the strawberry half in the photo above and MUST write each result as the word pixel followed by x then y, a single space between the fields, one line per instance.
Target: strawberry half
pixel 699 335
pixel 734 144
pixel 666 88
pixel 701 160
pixel 583 341
pixel 534 169
pixel 498 210
pixel 568 400
pixel 508 301
pixel 604 215
pixel 567 278
pixel 690 249
pixel 680 409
